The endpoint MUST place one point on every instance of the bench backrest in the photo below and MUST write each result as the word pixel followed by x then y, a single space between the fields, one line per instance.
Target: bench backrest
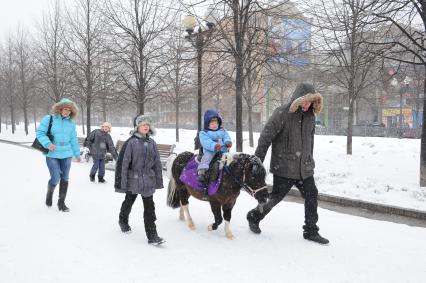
pixel 165 150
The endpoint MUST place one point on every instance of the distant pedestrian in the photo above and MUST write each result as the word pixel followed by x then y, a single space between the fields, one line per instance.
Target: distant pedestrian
pixel 99 142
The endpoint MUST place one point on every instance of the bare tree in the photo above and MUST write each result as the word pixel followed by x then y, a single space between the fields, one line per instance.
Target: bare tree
pixel 84 40
pixel 54 74
pixel 177 71
pixel 404 24
pixel 25 63
pixel 138 27
pixel 344 32
pixel 10 81
pixel 233 19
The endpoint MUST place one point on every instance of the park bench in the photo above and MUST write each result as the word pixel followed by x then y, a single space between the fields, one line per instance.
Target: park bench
pixel 165 150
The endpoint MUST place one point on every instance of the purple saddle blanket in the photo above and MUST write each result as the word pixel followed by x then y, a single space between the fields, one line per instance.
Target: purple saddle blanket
pixel 189 177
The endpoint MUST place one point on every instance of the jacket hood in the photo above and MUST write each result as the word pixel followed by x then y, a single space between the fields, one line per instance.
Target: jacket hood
pixel 65 102
pixel 210 114
pixel 306 92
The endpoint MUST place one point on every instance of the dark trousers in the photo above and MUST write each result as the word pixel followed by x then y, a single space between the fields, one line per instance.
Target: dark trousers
pixel 148 212
pixel 98 164
pixel 309 191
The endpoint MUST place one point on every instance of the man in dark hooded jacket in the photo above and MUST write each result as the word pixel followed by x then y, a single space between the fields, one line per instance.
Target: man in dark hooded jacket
pixel 291 130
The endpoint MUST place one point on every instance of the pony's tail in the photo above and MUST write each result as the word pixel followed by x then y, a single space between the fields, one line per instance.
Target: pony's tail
pixel 173 200
pixel 169 165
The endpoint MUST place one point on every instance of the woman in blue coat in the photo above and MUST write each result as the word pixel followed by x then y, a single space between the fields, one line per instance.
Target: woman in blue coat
pixel 61 150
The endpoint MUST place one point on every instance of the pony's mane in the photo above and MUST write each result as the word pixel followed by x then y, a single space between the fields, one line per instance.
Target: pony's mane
pixel 229 157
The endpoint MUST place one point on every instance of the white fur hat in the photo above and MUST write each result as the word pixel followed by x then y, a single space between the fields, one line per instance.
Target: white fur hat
pixel 141 119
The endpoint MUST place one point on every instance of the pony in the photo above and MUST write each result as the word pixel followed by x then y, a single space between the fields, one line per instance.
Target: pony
pixel 241 172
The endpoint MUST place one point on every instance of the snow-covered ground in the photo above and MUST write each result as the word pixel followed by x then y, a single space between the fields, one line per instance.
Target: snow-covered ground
pixel 382 170
pixel 40 244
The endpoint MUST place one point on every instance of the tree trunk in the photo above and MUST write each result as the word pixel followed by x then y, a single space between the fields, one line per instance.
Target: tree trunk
pixel 350 128
pixel 12 115
pixel 177 119
pixel 88 114
pixel 423 142
pixel 35 117
pixel 82 119
pixel 239 74
pixel 239 106
pixel 141 106
pixel 249 102
pixel 104 106
pixel 250 125
pixel 24 108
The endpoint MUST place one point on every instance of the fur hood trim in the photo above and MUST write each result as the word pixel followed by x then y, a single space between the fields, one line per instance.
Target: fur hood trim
pixel 315 98
pixel 65 102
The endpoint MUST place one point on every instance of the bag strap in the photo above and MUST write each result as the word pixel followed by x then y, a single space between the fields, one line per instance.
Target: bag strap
pixel 50 125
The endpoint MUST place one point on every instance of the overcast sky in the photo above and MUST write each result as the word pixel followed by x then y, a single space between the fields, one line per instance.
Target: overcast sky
pixel 16 12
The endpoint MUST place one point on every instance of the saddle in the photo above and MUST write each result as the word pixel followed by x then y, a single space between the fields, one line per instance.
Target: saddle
pixel 189 175
pixel 213 172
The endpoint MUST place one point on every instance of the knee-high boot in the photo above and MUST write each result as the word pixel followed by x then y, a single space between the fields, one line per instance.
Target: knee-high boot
pixel 63 188
pixel 49 194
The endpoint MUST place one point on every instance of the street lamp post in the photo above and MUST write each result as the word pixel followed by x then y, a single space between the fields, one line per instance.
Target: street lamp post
pixel 198 38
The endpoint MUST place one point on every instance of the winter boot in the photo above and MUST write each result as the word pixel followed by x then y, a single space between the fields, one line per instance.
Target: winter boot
pixel 49 194
pixel 124 225
pixel 253 220
pixel 315 237
pixel 92 178
pixel 101 179
pixel 153 238
pixel 203 179
pixel 63 188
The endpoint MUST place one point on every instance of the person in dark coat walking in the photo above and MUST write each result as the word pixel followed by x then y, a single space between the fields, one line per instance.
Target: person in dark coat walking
pixel 99 143
pixel 291 130
pixel 141 173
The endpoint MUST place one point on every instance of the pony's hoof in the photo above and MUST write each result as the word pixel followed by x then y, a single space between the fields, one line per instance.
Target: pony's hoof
pixel 210 227
pixel 181 218
pixel 191 226
pixel 229 236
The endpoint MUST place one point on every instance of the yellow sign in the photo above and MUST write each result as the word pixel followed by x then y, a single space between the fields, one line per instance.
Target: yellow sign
pixel 389 112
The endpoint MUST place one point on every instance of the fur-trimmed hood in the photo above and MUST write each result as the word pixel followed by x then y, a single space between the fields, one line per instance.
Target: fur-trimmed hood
pixel 65 102
pixel 306 92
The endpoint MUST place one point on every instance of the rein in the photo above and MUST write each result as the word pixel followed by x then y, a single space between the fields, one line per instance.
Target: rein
pixel 243 185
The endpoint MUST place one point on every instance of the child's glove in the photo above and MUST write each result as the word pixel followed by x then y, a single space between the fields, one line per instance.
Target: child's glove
pixel 217 147
pixel 228 144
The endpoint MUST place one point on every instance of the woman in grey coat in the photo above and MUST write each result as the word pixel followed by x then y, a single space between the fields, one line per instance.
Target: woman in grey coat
pixel 141 173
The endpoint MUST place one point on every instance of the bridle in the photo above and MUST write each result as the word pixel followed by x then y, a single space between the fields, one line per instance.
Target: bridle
pixel 243 185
